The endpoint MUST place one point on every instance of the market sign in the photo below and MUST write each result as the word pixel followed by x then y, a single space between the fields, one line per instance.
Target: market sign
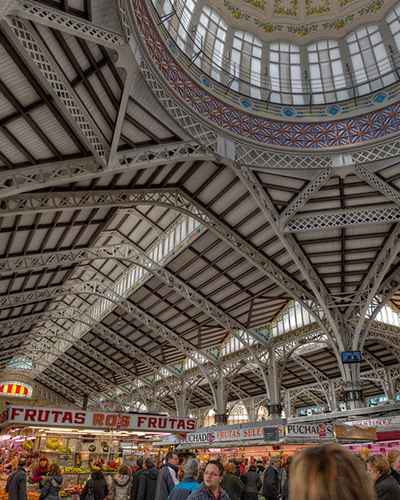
pixel 309 431
pixel 229 435
pixel 30 415
pixel 352 432
pixel 377 422
pixel 271 434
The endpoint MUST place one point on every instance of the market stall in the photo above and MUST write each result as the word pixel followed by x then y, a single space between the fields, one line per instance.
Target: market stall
pixel 82 441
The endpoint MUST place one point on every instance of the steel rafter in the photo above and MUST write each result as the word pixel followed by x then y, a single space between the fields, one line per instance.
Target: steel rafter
pixel 61 91
pixel 318 289
pixel 343 218
pixel 66 23
pixel 302 198
pixel 170 198
pixel 130 253
pixel 377 183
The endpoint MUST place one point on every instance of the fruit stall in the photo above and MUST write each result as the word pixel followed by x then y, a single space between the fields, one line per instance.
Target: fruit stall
pixel 81 441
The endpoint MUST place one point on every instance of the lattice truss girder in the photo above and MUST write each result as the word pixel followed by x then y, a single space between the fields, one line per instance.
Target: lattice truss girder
pixel 61 91
pixel 174 199
pixel 52 174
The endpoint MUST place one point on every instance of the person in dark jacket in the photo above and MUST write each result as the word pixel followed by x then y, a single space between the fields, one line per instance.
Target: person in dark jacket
pixel 136 477
pixel 53 484
pixel 252 484
pixel 16 482
pixel 231 483
pixel 97 484
pixel 168 477
pixel 237 472
pixel 147 481
pixel 189 483
pixel 272 484
pixel 386 486
pixel 285 488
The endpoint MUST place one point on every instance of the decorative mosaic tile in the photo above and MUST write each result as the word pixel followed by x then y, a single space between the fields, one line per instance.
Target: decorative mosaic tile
pixel 289 112
pixel 382 96
pixel 150 377
pixel 246 103
pixel 296 135
pixel 179 365
pixel 333 110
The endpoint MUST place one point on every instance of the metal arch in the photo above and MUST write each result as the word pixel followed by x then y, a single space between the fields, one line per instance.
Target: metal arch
pixel 97 288
pixel 98 356
pixel 51 174
pixel 373 280
pixel 174 199
pixel 319 376
pixel 64 357
pixel 385 292
pixel 59 387
pixel 127 252
pixel 379 184
pixel 321 295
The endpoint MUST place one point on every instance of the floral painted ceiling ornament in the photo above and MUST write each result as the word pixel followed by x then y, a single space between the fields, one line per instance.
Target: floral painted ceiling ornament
pixel 302 19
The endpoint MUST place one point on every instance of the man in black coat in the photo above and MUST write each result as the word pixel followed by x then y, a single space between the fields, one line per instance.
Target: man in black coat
pixel 16 482
pixel 272 484
pixel 136 477
pixel 237 472
pixel 147 481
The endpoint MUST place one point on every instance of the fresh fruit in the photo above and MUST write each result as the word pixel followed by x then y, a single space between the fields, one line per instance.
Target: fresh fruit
pixel 112 464
pixel 52 444
pixel 27 445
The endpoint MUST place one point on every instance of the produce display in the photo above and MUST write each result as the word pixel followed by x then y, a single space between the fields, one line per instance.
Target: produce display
pixel 64 449
pixel 30 494
pixel 71 490
pixel 92 447
pixel 75 470
pixel 52 444
pixel 27 445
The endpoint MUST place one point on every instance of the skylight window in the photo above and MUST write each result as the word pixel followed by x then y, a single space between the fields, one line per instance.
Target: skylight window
pixel 211 37
pixel 369 58
pixel 285 73
pixel 246 63
pixel 326 72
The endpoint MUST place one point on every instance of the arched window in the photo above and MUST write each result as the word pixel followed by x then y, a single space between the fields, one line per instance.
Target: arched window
pixel 15 389
pixel 178 25
pixel 369 59
pixel 246 63
pixel 393 21
pixel 285 73
pixel 326 72
pixel 211 37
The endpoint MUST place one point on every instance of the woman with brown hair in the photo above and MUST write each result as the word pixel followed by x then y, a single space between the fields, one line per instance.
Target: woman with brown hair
pixel 328 472
pixel 231 483
pixel 385 485
pixel 40 473
pixel 252 483
pixel 53 483
pixel 120 487
pixel 393 456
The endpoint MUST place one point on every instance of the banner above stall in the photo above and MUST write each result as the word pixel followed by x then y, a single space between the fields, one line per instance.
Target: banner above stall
pixel 78 419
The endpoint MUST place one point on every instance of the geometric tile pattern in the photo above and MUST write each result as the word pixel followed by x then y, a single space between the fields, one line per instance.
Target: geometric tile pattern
pixel 296 135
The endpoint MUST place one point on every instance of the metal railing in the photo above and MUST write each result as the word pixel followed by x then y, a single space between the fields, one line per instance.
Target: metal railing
pixel 351 85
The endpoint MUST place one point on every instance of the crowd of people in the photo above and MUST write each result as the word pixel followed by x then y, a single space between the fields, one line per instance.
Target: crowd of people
pixel 327 472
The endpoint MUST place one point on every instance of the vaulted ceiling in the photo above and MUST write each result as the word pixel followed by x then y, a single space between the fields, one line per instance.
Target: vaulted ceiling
pixel 138 262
